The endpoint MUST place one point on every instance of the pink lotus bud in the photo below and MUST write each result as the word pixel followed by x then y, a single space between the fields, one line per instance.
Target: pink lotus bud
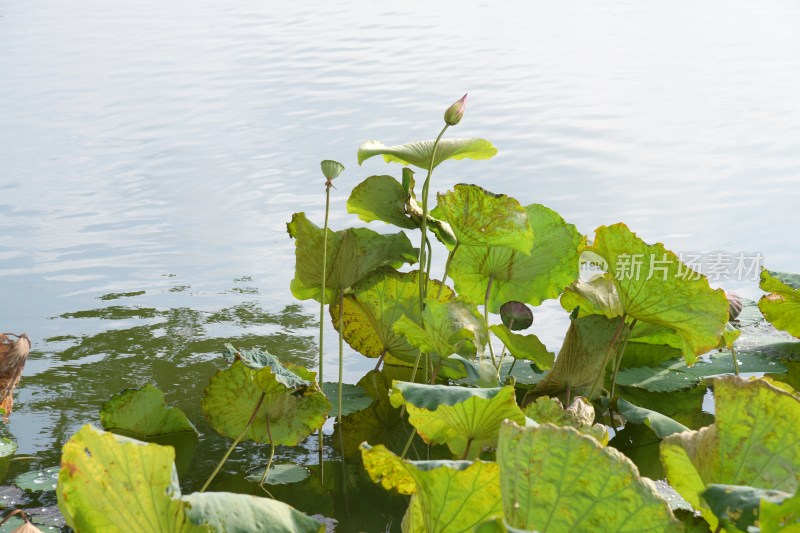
pixel 454 113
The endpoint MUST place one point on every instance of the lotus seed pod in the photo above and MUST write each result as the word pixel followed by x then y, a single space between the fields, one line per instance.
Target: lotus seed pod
pixel 454 113
pixel 331 169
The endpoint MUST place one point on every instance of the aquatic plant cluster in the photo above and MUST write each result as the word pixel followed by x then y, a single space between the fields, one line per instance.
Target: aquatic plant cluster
pixel 480 438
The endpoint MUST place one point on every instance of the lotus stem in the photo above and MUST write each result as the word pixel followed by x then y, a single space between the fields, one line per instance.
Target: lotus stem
pixel 486 322
pixel 447 269
pixel 735 362
pixel 610 353
pixel 341 355
pixel 328 186
pixel 503 353
pixel 235 442
pixel 271 453
pixel 423 281
pixel 618 362
pixel 466 450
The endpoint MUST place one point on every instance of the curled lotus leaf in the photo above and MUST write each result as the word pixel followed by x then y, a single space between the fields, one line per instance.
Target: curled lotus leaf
pixel 481 218
pixel 527 347
pixel 446 496
pixel 142 413
pixel 550 266
pixel 555 479
pixel 380 198
pixel 351 254
pixel 654 286
pixel 419 153
pixel 662 425
pixel 752 442
pixel 257 358
pixel 781 306
pixel 465 419
pixel 579 415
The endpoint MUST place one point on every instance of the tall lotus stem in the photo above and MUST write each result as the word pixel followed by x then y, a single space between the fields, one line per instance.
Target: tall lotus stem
pixel 271 454
pixel 486 323
pixel 331 170
pixel 618 362
pixel 341 356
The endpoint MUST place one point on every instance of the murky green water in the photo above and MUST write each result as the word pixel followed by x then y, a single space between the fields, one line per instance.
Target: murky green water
pixel 151 154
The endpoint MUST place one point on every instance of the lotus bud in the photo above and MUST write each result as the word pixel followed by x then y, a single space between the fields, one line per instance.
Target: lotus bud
pixel 454 113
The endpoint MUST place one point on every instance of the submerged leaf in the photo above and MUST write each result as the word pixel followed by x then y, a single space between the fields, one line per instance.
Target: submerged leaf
pixel 419 153
pixel 446 496
pixel 98 492
pixel 481 218
pixel 653 286
pixel 351 254
pixel 752 442
pixel 467 420
pixel 551 265
pixel 554 479
pixel 782 305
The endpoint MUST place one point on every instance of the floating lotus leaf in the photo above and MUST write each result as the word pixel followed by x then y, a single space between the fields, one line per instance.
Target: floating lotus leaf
pixel 7 450
pixel 419 153
pixel 467 420
pixel 555 479
pixel 280 474
pixel 579 415
pixel 516 316
pixel 581 362
pixel 291 413
pixel 753 442
pixel 331 169
pixel 530 278
pixel 527 347
pixel 376 303
pixel 780 516
pixel 662 425
pixel 380 198
pixel 354 398
pixel 351 254
pixel 782 305
pixel 446 496
pixel 142 413
pixel 481 218
pixel 447 328
pixel 674 375
pixel 655 287
pixel 98 492
pixel 737 507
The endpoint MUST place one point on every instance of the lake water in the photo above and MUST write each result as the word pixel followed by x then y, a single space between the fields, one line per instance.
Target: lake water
pixel 151 154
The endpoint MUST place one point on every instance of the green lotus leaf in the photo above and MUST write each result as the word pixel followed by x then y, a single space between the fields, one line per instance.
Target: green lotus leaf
pixel 516 316
pixel 555 479
pixel 753 442
pixel 331 169
pixel 480 372
pixel 39 480
pixel 662 425
pixel 527 347
pixel 594 297
pixel 256 358
pixel 354 398
pixel 530 278
pixel 467 420
pixel 655 287
pixel 351 254
pixel 99 492
pixel 446 496
pixel 780 516
pixel 481 218
pixel 376 303
pixel 447 327
pixel 579 415
pixel 674 375
pixel 288 414
pixel 580 364
pixel 419 153
pixel 380 423
pixel 142 413
pixel 782 305
pixel 7 450
pixel 737 507
pixel 380 198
